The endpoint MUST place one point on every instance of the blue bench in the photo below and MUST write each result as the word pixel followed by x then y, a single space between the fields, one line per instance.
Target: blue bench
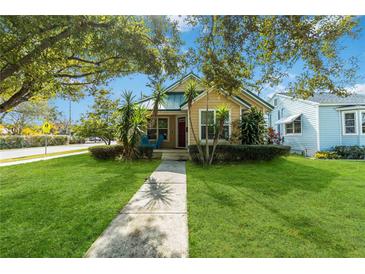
pixel 146 143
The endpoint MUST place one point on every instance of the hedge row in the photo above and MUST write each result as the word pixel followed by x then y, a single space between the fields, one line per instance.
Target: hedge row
pixel 234 153
pixel 13 141
pixel 113 151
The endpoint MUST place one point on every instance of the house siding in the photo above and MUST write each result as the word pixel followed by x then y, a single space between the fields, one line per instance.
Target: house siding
pixel 307 141
pixel 215 100
pixel 329 127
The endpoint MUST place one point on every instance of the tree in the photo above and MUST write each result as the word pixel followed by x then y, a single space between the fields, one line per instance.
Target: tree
pixel 255 51
pixel 132 124
pixel 253 127
pixel 45 56
pixel 28 114
pixel 101 120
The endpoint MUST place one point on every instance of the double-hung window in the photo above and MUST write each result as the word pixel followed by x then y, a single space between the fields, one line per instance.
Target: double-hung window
pixel 160 127
pixel 349 123
pixel 294 127
pixel 210 124
pixel 363 122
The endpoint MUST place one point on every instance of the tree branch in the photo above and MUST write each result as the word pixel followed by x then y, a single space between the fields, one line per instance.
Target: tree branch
pixel 20 96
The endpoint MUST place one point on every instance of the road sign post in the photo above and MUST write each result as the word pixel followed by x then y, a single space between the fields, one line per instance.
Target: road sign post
pixel 46 128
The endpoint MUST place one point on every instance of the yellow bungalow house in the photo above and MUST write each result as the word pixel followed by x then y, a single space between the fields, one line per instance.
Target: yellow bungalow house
pixel 173 121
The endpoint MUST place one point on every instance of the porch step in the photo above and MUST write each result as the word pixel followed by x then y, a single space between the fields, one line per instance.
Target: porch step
pixel 175 155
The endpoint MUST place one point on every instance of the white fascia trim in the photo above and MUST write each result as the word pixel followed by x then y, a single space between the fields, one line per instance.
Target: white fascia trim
pixel 299 100
pixel 351 108
pixel 178 82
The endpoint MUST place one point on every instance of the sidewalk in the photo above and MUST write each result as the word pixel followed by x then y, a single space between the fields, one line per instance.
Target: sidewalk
pixel 153 223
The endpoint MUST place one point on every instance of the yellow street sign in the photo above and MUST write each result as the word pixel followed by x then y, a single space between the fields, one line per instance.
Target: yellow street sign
pixel 46 128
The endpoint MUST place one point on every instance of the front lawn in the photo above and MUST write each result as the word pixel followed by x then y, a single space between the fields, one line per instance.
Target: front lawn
pixel 57 208
pixel 290 207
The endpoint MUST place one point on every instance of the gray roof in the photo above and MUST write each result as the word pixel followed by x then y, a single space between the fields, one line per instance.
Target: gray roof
pixel 172 101
pixel 328 98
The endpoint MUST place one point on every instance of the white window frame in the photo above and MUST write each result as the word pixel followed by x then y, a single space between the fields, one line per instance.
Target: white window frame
pixel 157 129
pixel 361 121
pixel 214 110
pixel 294 134
pixel 344 125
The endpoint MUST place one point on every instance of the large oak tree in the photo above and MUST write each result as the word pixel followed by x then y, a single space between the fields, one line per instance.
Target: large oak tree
pixel 44 56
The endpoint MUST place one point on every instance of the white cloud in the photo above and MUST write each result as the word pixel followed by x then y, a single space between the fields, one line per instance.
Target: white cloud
pixel 182 25
pixel 358 88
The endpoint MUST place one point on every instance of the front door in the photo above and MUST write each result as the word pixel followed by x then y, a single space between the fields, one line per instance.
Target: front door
pixel 181 136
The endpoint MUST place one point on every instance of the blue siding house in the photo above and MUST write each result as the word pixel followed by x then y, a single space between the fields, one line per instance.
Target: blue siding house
pixel 319 122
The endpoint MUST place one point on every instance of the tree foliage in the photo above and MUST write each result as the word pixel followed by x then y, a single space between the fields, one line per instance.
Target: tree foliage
pixel 44 56
pixel 28 115
pixel 256 51
pixel 101 120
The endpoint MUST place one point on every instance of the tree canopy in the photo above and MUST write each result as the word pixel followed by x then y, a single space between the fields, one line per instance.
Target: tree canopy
pixel 257 51
pixel 44 56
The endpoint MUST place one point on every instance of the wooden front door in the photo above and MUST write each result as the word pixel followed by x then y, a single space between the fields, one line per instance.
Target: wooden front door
pixel 181 136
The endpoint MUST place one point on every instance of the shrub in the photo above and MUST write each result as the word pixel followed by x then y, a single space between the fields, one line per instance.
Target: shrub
pixel 106 152
pixel 77 140
pixel 234 153
pixel 326 155
pixel 146 152
pixel 17 141
pixel 273 137
pixel 350 152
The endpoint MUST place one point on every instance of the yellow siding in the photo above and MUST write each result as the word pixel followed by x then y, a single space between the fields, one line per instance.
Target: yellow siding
pixel 215 100
pixel 181 86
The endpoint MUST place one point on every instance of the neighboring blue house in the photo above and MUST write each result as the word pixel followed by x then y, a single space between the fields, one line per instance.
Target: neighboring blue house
pixel 320 122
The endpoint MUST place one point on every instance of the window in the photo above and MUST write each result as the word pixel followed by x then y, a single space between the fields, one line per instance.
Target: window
pixel 211 120
pixel 211 128
pixel 275 102
pixel 363 122
pixel 295 127
pixel 161 127
pixel 349 122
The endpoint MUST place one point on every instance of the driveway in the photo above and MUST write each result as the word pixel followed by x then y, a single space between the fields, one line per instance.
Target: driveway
pixel 22 152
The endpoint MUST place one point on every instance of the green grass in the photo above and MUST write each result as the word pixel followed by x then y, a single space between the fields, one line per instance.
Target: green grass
pixel 291 207
pixel 58 208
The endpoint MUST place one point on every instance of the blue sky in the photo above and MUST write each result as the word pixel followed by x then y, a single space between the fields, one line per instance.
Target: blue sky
pixel 137 82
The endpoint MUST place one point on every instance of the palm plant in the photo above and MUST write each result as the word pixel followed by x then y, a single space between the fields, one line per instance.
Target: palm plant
pixel 131 126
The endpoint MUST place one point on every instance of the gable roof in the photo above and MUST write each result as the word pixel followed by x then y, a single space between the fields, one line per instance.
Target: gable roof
pixel 332 99
pixel 176 100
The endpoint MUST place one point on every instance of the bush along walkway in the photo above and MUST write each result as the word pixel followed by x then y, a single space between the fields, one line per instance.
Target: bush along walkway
pixel 154 222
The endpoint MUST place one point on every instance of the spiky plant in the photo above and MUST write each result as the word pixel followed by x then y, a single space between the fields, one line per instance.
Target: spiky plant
pixel 253 127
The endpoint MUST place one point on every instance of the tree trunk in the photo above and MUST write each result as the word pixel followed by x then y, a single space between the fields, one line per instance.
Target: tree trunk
pixel 216 139
pixel 206 132
pixel 197 142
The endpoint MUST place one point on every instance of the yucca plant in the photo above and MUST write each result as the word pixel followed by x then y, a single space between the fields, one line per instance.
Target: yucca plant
pixel 158 96
pixel 253 127
pixel 131 125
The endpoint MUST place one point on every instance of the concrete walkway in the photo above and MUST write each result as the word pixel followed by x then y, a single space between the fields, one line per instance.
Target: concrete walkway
pixel 153 223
